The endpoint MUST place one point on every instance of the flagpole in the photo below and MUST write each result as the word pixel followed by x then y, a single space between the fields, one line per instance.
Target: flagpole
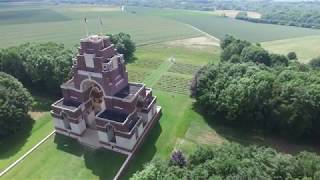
pixel 86 26
pixel 100 25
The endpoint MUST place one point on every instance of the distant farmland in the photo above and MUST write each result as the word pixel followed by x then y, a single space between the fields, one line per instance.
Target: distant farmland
pixel 30 16
pixel 220 26
pixel 306 47
pixel 68 26
pixel 64 24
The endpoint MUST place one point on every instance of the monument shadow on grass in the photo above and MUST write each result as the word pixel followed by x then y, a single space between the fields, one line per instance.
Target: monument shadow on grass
pixel 10 145
pixel 105 163
pixel 146 152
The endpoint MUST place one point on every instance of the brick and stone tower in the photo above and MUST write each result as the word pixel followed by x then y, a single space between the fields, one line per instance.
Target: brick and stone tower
pixel 100 107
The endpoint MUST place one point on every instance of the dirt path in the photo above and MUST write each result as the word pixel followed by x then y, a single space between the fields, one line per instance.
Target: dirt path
pixel 197 42
pixel 205 33
pixel 156 74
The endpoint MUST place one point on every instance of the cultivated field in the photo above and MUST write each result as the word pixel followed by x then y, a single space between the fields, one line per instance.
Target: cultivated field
pixel 254 32
pixel 165 61
pixel 306 47
pixel 66 25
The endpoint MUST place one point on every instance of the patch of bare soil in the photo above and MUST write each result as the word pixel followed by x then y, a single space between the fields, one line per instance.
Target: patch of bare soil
pixel 234 13
pixel 255 15
pixel 197 42
pixel 94 8
pixel 285 146
pixel 210 137
pixel 36 115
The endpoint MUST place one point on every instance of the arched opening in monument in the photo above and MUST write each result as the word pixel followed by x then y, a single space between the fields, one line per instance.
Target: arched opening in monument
pixel 95 101
pixel 96 96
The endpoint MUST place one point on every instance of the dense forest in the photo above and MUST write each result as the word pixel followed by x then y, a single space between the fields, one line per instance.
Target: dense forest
pixel 233 162
pixel 301 14
pixel 38 66
pixel 255 89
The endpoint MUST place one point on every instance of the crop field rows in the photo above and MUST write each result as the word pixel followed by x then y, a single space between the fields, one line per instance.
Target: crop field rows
pixel 137 76
pixel 148 64
pixel 174 83
pixel 188 69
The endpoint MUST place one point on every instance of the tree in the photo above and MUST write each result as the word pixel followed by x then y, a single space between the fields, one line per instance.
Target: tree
pixel 279 60
pixel 42 66
pixel 124 44
pixel 284 99
pixel 315 63
pixel 48 65
pixel 178 159
pixel 226 41
pixel 234 161
pixel 233 48
pixel 11 62
pixel 15 101
pixel 292 56
pixel 255 54
pixel 234 90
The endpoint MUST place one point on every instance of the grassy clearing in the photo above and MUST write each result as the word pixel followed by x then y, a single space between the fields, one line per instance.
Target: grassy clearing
pixel 163 137
pixel 305 47
pixel 197 42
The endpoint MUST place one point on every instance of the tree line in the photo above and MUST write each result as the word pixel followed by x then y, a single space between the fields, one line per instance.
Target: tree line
pixel 42 66
pixel 301 14
pixel 233 161
pixel 255 89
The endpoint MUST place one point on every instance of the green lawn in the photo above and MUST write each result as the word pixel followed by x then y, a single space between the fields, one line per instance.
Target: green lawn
pixel 63 158
pixel 306 47
pixel 14 147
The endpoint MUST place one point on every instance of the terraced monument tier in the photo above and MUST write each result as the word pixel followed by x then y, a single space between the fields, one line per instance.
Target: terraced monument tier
pixel 100 107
